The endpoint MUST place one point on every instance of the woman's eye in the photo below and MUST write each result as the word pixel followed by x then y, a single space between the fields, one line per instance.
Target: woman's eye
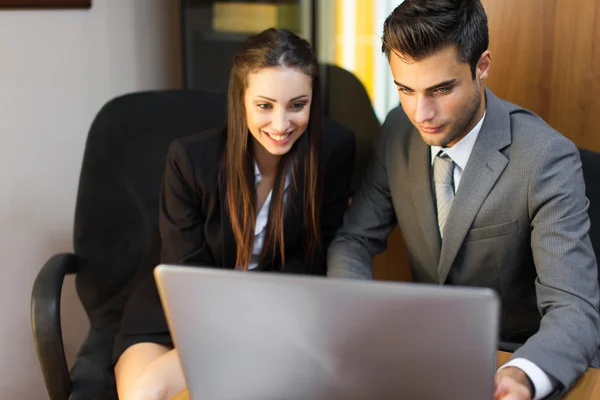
pixel 298 106
pixel 264 106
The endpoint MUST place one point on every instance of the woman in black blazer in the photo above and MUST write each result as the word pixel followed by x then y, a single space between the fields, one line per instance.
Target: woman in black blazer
pixel 267 193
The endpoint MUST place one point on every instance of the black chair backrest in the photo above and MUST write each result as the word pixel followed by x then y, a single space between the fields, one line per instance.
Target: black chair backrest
pixel 116 233
pixel 590 161
pixel 346 101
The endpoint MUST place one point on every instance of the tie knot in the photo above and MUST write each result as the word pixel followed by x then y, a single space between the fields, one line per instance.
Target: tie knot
pixel 443 169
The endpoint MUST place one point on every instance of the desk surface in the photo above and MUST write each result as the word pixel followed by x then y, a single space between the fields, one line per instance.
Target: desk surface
pixel 588 387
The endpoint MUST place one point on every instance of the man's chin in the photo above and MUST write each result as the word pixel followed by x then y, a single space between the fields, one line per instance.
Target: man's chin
pixel 437 139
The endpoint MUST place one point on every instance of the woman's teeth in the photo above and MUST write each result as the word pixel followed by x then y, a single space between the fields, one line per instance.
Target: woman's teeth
pixel 279 138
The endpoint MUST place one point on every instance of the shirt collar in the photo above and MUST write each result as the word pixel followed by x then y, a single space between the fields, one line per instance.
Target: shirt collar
pixel 460 152
pixel 258 176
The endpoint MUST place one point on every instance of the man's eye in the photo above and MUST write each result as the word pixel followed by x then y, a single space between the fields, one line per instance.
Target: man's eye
pixel 404 90
pixel 444 90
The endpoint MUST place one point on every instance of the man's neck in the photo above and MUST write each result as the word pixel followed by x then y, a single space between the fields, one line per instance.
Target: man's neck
pixel 478 114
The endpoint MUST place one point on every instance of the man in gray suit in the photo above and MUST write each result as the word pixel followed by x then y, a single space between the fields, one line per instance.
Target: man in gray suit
pixel 485 194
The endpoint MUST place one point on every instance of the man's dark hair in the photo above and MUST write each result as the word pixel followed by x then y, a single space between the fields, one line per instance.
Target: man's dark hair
pixel 418 28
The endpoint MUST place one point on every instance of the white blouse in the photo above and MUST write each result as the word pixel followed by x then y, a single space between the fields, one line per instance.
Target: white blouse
pixel 261 221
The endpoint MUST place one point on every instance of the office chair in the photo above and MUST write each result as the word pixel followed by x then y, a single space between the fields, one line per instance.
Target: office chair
pixel 115 233
pixel 346 101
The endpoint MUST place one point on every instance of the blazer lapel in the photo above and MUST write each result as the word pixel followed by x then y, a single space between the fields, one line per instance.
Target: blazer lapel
pixel 483 169
pixel 419 165
pixel 294 194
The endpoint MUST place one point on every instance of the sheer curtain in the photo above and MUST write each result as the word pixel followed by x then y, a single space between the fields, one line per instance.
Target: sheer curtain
pixel 349 35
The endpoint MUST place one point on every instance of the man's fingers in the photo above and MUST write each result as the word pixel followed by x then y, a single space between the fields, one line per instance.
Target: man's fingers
pixel 501 388
pixel 512 396
pixel 509 389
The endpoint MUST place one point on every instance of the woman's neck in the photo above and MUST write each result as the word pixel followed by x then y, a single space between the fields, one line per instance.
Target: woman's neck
pixel 267 162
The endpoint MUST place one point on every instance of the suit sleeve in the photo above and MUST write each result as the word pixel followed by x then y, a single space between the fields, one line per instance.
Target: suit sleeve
pixel 368 221
pixel 181 221
pixel 567 273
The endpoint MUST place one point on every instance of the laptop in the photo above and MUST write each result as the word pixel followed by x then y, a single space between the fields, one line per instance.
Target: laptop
pixel 266 336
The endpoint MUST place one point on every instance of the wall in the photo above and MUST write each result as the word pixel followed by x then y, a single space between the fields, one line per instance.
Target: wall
pixel 545 58
pixel 58 68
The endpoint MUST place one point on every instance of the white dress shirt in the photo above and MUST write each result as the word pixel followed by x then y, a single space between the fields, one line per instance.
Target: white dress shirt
pixel 460 153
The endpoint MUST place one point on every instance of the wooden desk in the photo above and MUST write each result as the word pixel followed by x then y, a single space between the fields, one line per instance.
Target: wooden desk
pixel 588 387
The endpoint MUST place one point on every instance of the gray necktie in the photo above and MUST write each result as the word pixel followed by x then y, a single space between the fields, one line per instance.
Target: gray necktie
pixel 443 177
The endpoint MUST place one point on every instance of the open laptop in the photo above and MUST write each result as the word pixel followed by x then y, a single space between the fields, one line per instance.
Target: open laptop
pixel 276 336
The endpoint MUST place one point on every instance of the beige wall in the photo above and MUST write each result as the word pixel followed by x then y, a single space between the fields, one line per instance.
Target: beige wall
pixel 57 68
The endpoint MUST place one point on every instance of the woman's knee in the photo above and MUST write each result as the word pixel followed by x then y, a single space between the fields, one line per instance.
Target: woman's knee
pixel 149 389
pixel 133 367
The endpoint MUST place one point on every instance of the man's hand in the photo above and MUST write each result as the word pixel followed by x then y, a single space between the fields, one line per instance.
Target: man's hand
pixel 512 384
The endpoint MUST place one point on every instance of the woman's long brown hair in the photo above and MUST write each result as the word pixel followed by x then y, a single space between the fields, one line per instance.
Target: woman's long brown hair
pixel 272 48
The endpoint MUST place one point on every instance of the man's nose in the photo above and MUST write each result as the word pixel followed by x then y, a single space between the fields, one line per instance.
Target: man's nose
pixel 424 110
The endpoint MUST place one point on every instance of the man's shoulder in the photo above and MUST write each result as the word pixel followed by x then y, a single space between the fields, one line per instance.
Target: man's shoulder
pixel 397 127
pixel 528 128
pixel 397 119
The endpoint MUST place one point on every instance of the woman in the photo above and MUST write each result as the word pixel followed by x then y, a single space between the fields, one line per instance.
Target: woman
pixel 267 193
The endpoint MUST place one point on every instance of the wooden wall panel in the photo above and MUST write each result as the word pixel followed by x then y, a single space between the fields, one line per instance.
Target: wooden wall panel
pixel 546 57
pixel 392 264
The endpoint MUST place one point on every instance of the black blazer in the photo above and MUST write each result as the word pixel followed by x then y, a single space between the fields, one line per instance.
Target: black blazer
pixel 195 227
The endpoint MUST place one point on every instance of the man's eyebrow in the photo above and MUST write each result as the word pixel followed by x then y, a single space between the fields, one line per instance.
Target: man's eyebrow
pixel 436 86
pixel 442 84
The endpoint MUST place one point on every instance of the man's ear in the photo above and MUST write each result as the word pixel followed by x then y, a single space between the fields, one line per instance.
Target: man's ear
pixel 483 66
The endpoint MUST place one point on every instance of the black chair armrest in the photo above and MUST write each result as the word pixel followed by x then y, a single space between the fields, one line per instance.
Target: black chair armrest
pixel 509 346
pixel 45 323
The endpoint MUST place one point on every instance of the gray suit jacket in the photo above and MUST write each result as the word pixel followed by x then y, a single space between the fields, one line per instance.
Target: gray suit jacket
pixel 518 224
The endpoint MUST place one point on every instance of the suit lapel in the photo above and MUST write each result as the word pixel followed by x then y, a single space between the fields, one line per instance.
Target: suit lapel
pixel 294 195
pixel 483 169
pixel 228 248
pixel 422 196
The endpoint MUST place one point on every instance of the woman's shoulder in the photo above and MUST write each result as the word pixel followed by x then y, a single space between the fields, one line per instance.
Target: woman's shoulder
pixel 205 142
pixel 201 148
pixel 197 157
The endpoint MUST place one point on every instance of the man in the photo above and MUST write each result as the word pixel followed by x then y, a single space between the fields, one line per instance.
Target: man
pixel 485 194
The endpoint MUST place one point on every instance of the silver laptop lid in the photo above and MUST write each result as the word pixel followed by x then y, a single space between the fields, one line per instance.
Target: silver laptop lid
pixel 274 336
